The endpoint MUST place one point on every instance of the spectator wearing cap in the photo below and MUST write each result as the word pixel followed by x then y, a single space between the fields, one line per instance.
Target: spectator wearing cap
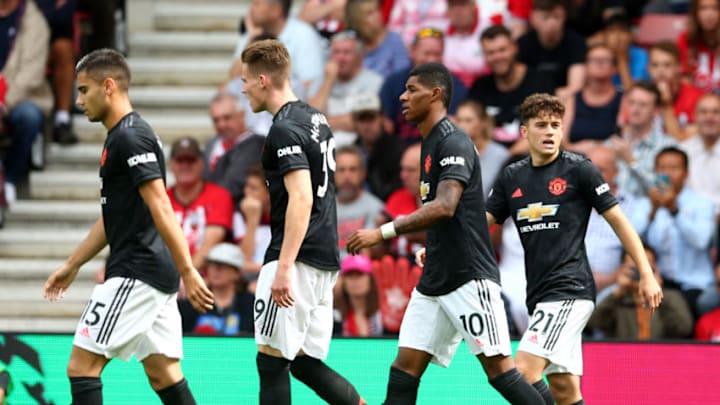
pixel 358 304
pixel 234 149
pixel 203 209
pixel 233 311
pixel 427 47
pixel 408 16
pixel 385 51
pixel 468 19
pixel 345 76
pixel 381 151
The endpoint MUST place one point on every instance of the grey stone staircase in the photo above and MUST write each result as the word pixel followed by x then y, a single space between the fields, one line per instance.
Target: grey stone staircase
pixel 180 52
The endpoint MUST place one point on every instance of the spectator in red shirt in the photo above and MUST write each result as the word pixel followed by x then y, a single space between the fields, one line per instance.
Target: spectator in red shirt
pixel 699 45
pixel 203 209
pixel 678 98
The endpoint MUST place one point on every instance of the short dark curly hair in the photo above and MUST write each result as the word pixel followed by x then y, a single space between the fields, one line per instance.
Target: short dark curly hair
pixel 540 103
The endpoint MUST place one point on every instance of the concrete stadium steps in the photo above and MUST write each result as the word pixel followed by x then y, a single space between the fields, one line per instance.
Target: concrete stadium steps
pixel 83 213
pixel 200 43
pixel 169 125
pixel 179 70
pixel 165 97
pixel 40 268
pixel 49 242
pixel 65 185
pixel 199 16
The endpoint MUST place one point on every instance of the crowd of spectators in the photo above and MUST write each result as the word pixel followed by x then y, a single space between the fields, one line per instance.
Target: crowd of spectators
pixel 647 116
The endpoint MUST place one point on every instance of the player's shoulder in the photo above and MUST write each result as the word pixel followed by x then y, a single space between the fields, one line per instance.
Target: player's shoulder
pixel 517 166
pixel 132 127
pixel 575 160
pixel 449 133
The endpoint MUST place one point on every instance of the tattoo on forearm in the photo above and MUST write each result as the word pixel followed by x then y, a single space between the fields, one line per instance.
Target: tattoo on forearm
pixel 442 207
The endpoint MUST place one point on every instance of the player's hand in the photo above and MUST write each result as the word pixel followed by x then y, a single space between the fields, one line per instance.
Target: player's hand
pixel 420 257
pixel 281 289
pixel 363 238
pixel 200 297
pixel 57 284
pixel 650 292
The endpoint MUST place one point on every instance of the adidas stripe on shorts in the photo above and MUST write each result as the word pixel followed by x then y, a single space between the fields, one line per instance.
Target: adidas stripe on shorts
pixel 308 324
pixel 126 316
pixel 555 333
pixel 474 312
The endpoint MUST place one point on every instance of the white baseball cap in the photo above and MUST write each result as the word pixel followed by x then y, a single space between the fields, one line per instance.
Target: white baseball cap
pixel 227 253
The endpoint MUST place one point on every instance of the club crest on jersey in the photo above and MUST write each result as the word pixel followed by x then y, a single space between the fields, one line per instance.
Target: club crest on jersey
pixel 536 211
pixel 424 190
pixel 557 186
pixel 428 163
pixel 103 158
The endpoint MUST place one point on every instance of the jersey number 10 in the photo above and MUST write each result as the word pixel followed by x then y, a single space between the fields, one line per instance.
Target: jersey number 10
pixel 327 148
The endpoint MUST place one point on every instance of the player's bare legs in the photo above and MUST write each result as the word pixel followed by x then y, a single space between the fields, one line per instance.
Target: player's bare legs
pixel 531 367
pixel 496 365
pixel 84 369
pixel 166 378
pixel 565 387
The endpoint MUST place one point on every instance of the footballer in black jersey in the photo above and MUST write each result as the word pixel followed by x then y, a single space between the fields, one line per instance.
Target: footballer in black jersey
pixel 458 295
pixel 134 312
pixel 294 293
pixel 549 196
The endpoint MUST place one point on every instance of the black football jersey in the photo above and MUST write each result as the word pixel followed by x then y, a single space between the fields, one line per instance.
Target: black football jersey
pixel 458 249
pixel 551 207
pixel 300 138
pixel 131 156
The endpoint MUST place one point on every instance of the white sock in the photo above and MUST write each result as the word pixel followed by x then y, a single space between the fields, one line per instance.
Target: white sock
pixel 62 117
pixel 10 195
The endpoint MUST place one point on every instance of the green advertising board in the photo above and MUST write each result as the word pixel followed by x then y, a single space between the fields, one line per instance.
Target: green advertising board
pixel 222 371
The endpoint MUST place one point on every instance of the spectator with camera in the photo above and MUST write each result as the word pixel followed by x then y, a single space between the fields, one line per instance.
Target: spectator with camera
pixel 621 315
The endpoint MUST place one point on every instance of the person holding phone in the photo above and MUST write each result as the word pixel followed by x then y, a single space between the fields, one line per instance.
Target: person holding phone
pixel 680 227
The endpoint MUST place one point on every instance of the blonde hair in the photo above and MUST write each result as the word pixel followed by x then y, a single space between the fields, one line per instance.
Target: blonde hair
pixel 270 57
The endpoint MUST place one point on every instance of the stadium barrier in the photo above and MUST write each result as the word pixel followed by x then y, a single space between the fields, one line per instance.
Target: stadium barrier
pixel 221 371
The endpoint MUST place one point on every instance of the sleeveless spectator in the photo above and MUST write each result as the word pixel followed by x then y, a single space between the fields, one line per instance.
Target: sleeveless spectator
pixel 345 77
pixel 24 39
pixel 385 51
pixel 507 85
pixel 408 16
pixel 230 153
pixel 203 209
pixel 678 98
pixel 356 207
pixel 468 19
pixel 591 114
pixel 473 119
pixel 381 151
pixel 557 52
pixel 427 47
pixel 303 43
pixel 699 45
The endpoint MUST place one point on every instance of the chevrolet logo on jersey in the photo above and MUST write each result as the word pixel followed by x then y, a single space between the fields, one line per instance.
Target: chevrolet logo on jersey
pixel 424 190
pixel 536 211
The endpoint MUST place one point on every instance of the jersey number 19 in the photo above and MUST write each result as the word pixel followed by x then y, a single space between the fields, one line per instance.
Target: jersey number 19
pixel 327 148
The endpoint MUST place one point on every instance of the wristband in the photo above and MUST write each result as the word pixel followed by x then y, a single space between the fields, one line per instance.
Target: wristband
pixel 388 230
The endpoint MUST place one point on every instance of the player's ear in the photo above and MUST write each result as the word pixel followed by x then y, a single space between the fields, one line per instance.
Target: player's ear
pixel 523 130
pixel 264 80
pixel 109 85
